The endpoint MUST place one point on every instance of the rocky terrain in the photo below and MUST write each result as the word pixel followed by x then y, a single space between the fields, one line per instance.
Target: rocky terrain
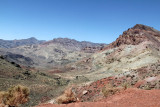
pixel 130 51
pixel 132 61
pixel 21 65
pixel 127 98
pixel 123 73
pixel 42 85
pixel 47 55
pixel 142 85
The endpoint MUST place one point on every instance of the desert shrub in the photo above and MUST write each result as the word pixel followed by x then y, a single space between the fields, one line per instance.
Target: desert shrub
pixel 2 94
pixel 67 97
pixel 14 96
pixel 147 87
pixel 109 90
pixel 126 85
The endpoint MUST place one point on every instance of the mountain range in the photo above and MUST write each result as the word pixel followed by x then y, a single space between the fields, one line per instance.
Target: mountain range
pixel 48 54
pixel 48 66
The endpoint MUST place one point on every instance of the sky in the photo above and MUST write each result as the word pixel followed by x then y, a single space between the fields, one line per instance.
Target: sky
pixel 99 21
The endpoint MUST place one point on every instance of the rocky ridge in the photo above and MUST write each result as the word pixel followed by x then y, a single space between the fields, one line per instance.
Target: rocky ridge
pixel 136 35
pixel 135 48
pixel 56 52
pixel 72 44
pixel 16 43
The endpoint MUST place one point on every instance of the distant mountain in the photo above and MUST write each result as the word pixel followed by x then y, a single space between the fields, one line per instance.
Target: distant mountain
pixel 73 44
pixel 16 43
pixel 57 52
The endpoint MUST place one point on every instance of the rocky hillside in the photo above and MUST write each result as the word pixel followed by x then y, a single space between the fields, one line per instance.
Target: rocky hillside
pixel 42 86
pixel 146 78
pixel 54 53
pixel 136 35
pixel 16 43
pixel 135 48
pixel 125 72
pixel 127 98
pixel 131 88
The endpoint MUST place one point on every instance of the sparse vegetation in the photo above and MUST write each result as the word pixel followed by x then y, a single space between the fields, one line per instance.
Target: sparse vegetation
pixel 67 97
pixel 15 96
pixel 126 85
pixel 42 86
pixel 109 90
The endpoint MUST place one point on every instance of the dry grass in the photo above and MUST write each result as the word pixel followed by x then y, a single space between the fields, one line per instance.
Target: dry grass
pixel 2 94
pixel 109 90
pixel 14 96
pixel 67 97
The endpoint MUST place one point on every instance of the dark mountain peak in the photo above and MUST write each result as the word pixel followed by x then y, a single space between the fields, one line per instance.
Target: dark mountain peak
pixel 32 38
pixel 64 40
pixel 136 35
pixel 143 27
pixel 60 38
pixel 140 29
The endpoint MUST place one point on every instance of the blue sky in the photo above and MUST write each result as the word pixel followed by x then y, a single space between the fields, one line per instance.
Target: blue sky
pixel 100 21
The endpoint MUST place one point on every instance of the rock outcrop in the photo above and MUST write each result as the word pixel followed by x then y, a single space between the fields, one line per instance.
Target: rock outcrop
pixel 136 35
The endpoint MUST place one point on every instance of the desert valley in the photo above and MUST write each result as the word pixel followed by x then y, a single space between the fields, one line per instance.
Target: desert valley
pixel 65 72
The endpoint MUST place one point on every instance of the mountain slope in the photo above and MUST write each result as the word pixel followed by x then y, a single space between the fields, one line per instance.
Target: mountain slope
pixel 42 86
pixel 135 48
pixel 133 60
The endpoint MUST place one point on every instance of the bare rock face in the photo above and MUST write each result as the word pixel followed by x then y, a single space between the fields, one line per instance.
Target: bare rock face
pixel 143 27
pixel 136 35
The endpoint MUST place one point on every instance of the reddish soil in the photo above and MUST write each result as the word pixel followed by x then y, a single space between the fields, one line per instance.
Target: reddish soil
pixel 135 98
pixel 128 98
pixel 55 71
pixel 94 89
